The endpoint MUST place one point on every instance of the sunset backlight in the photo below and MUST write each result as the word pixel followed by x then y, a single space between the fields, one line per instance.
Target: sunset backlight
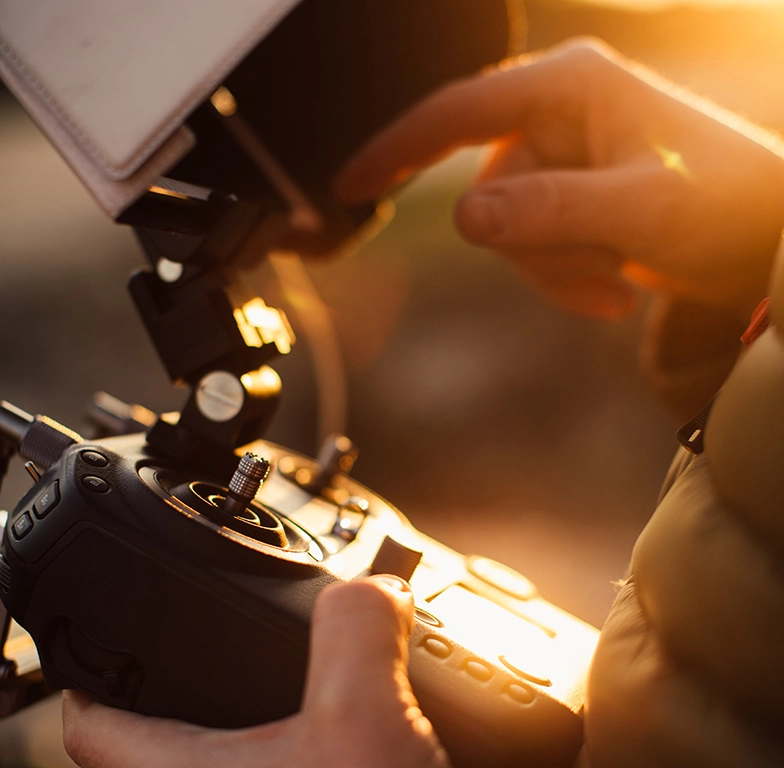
pixel 645 5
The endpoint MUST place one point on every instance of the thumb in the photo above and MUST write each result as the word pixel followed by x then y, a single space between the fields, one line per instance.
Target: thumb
pixel 558 207
pixel 358 700
pixel 359 645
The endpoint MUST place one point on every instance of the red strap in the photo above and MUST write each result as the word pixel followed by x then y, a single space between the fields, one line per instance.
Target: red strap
pixel 760 320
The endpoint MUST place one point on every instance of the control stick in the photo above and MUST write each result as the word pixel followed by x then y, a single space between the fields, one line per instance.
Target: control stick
pixel 245 483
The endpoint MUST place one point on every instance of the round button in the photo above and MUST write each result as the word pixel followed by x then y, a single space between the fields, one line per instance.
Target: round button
pixel 478 670
pixel 436 646
pixel 426 617
pixel 501 577
pixel 520 693
pixel 95 484
pixel 94 459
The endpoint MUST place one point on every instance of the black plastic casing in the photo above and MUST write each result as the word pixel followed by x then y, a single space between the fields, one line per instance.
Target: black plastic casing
pixel 147 605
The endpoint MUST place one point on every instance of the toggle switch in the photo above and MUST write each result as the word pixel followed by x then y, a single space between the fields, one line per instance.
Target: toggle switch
pixel 395 558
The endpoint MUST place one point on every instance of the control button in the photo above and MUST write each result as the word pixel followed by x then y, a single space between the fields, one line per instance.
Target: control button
pixel 501 576
pixel 94 459
pixel 395 558
pixel 23 526
pixel 437 646
pixel 47 501
pixel 527 668
pixel 426 617
pixel 520 693
pixel 95 484
pixel 478 670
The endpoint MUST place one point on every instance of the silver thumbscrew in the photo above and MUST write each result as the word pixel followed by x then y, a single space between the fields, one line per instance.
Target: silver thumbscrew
pixel 245 483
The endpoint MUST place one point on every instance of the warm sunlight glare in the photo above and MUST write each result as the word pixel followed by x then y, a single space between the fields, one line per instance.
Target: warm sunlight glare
pixel 533 642
pixel 260 324
pixel 651 5
pixel 672 160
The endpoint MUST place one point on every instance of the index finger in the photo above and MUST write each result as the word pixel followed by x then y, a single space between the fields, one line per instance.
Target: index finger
pixel 466 113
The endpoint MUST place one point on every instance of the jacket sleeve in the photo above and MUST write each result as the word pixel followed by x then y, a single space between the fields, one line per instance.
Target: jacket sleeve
pixel 689 670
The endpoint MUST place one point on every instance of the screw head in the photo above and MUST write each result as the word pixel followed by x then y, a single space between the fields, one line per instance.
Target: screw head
pixel 220 396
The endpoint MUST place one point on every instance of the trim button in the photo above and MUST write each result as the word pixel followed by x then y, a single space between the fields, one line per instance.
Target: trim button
pixel 22 526
pixel 478 670
pixel 47 501
pixel 520 693
pixel 95 484
pixel 427 617
pixel 436 646
pixel 94 459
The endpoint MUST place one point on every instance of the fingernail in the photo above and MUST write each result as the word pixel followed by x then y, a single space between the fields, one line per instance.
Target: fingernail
pixel 481 217
pixel 393 582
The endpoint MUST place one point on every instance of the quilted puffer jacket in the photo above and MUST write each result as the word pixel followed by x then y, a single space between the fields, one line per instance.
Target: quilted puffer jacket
pixel 689 670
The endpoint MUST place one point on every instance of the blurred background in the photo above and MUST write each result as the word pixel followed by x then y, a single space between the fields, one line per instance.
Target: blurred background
pixel 496 423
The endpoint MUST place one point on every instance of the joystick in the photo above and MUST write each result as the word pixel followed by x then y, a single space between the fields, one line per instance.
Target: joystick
pixel 245 483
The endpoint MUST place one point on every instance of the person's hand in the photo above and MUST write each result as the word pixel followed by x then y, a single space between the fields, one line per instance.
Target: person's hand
pixel 358 710
pixel 601 174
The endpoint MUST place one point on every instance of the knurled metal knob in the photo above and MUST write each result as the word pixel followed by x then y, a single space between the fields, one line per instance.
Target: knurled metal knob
pixel 37 438
pixel 245 483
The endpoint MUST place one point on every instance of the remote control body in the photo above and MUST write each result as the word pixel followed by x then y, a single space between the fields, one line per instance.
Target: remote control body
pixel 137 591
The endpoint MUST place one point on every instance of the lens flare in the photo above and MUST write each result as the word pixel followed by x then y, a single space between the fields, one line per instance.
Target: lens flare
pixel 672 160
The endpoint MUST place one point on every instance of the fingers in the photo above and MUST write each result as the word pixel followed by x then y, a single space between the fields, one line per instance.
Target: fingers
pixel 358 710
pixel 472 112
pixel 96 736
pixel 469 112
pixel 563 207
pixel 549 189
pixel 357 684
pixel 579 279
pixel 359 645
pixel 596 296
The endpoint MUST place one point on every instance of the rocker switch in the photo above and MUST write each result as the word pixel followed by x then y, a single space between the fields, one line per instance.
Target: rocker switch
pixel 395 558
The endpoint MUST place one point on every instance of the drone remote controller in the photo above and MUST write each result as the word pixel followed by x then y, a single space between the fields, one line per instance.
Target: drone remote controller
pixel 190 597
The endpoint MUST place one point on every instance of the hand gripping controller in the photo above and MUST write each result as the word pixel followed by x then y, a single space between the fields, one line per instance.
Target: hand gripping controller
pixel 190 597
